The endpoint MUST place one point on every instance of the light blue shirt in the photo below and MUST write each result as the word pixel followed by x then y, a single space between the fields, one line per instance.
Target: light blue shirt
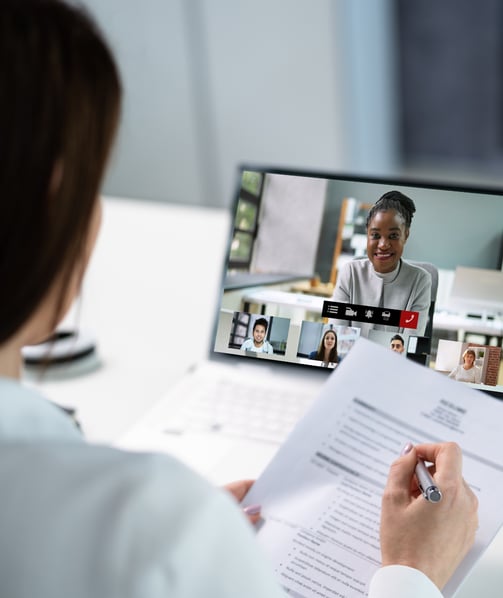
pixel 249 345
pixel 85 521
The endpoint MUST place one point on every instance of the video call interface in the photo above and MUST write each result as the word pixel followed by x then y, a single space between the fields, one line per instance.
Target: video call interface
pixel 309 272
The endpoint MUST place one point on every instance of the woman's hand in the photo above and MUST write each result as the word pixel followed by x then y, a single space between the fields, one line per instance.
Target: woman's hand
pixel 239 490
pixel 431 537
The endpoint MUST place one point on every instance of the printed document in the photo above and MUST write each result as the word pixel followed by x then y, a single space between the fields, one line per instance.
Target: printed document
pixel 321 493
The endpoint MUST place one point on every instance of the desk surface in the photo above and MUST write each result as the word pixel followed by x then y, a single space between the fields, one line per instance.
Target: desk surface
pixel 482 325
pixel 284 298
pixel 151 325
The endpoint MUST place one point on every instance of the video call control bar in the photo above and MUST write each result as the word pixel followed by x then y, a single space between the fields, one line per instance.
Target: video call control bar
pixel 370 314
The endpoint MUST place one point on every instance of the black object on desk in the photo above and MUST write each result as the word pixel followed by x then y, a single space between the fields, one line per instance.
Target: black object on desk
pixel 67 353
pixel 62 347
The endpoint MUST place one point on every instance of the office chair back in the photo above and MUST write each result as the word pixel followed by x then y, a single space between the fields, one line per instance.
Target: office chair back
pixel 433 271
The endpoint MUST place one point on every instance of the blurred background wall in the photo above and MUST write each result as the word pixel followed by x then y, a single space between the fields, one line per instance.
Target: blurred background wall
pixel 384 87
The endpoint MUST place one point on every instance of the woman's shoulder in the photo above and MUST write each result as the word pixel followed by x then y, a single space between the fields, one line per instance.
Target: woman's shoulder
pixel 415 272
pixel 416 269
pixel 158 495
pixel 356 267
pixel 359 263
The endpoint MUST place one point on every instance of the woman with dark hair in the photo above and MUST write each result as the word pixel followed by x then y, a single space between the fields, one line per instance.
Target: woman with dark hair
pixel 80 520
pixel 327 349
pixel 383 279
pixel 53 149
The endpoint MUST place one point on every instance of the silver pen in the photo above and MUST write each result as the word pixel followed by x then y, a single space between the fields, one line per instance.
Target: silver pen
pixel 426 483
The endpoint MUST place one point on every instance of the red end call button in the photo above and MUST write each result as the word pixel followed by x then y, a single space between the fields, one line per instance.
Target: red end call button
pixel 409 319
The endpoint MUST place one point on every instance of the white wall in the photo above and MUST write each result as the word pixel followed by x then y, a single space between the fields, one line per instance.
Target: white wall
pixel 212 83
pixel 156 154
pixel 289 244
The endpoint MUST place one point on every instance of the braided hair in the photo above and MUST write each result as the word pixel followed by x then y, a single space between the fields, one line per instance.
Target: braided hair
pixel 394 200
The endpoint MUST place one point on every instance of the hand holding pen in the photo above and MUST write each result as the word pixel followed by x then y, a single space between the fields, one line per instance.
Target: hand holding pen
pixel 431 535
pixel 425 482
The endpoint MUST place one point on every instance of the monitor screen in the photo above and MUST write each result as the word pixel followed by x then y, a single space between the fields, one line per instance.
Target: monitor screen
pixel 317 260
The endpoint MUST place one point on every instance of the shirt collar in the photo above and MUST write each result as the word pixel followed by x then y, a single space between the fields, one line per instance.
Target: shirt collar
pixel 26 415
pixel 389 276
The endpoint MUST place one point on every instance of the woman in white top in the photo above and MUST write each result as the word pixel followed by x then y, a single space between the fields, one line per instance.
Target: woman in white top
pixel 467 371
pixel 90 521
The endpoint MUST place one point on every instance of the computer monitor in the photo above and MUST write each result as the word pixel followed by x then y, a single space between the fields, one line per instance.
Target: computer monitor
pixel 477 290
pixel 299 257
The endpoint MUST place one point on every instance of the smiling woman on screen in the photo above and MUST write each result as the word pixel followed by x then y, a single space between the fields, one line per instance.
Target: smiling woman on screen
pixel 384 279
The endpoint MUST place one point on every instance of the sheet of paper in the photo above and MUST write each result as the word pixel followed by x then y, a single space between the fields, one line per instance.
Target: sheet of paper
pixel 321 494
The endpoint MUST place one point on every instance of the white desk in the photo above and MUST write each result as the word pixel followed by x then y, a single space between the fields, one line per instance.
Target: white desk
pixel 262 297
pixel 149 295
pixel 463 324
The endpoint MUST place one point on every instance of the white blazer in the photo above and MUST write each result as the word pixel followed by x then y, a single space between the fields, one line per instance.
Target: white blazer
pixel 407 288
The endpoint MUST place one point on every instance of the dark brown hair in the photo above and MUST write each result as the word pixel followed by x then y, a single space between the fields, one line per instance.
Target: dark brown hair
pixel 320 353
pixel 59 108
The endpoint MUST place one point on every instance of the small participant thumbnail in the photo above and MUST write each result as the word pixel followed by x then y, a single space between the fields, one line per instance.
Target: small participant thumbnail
pixel 257 333
pixel 469 362
pixel 326 343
